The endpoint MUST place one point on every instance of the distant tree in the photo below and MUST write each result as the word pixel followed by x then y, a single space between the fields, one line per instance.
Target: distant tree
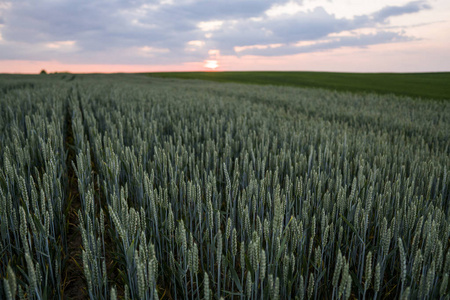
pixel 43 72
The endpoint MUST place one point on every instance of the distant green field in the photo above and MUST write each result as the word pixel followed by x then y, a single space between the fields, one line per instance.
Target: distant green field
pixel 424 85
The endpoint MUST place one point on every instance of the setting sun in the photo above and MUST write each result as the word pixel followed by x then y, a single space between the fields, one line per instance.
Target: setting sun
pixel 211 64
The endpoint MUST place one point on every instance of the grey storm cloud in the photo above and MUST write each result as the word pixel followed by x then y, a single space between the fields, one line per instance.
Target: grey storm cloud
pixel 111 31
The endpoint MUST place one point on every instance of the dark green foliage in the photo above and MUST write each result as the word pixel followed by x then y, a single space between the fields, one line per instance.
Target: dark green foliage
pixel 423 85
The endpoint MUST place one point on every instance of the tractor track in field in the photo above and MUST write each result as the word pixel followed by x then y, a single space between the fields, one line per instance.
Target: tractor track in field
pixel 74 285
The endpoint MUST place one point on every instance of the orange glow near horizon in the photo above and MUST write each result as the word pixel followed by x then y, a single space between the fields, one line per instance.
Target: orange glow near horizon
pixel 418 58
pixel 34 67
pixel 211 64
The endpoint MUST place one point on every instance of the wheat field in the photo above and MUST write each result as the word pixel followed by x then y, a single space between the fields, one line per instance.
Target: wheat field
pixel 129 187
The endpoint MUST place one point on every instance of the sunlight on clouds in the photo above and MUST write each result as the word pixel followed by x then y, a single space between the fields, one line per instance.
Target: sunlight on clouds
pixel 144 8
pixel 196 43
pixel 339 8
pixel 350 8
pixel 137 22
pixel 238 49
pixel 290 8
pixel 309 43
pixel 214 53
pixel 60 44
pixel 256 19
pixel 210 25
pixel 5 5
pixel 152 51
pixel 359 31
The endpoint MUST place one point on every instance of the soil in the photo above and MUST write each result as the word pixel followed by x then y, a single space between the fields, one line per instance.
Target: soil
pixel 74 285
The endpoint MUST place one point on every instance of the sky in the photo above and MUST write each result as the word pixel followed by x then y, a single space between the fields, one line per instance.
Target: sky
pixel 225 35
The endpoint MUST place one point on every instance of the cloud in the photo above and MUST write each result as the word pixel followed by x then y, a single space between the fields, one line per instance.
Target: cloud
pixel 222 9
pixel 392 11
pixel 363 40
pixel 146 32
pixel 313 25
